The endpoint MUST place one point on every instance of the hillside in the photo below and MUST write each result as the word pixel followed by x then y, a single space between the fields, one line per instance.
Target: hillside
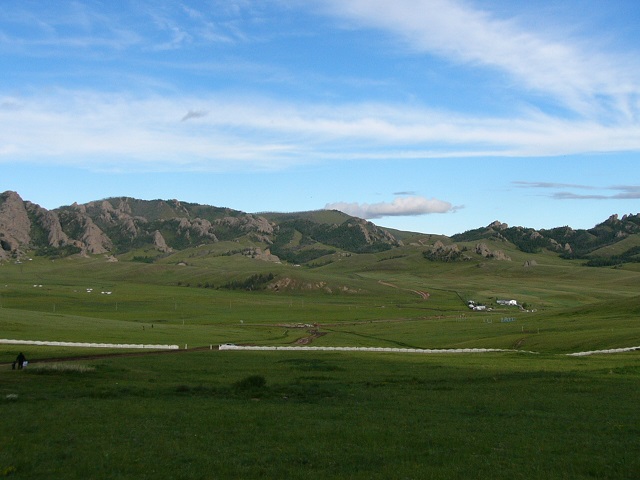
pixel 119 225
pixel 162 262
pixel 156 228
pixel 595 244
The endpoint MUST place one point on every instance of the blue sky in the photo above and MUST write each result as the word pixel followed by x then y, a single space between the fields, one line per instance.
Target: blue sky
pixel 435 116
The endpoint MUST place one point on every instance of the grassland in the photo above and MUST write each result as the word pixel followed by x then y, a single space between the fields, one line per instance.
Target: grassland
pixel 329 415
pixel 201 413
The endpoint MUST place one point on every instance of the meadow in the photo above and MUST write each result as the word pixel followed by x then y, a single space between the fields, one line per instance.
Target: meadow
pixel 533 412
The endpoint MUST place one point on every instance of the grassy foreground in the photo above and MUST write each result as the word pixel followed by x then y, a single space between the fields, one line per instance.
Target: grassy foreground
pixel 226 414
pixel 247 414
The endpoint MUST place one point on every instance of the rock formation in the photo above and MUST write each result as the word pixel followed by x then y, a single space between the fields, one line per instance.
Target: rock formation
pixel 483 250
pixel 159 243
pixel 15 225
pixel 50 223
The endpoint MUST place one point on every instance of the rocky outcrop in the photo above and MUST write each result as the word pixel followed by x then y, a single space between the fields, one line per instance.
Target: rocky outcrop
pixel 451 253
pixel 93 239
pixel 483 250
pixel 120 216
pixel 198 228
pixel 259 254
pixel 372 233
pixel 247 223
pixel 15 225
pixel 496 225
pixel 49 222
pixel 554 245
pixel 160 244
pixel 445 253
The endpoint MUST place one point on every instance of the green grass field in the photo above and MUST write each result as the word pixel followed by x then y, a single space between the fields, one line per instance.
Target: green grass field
pixel 323 415
pixel 204 413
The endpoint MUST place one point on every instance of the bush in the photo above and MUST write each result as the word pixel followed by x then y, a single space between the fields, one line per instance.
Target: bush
pixel 251 383
pixel 254 282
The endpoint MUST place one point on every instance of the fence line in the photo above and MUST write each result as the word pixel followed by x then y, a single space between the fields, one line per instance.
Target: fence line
pixel 87 345
pixel 415 350
pixel 303 348
pixel 596 352
pixel 369 349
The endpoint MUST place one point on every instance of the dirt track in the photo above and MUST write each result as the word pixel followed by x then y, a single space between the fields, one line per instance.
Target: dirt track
pixel 424 295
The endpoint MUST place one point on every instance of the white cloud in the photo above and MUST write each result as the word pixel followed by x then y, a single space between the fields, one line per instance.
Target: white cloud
pixel 579 76
pixel 139 132
pixel 401 206
pixel 100 130
pixel 103 131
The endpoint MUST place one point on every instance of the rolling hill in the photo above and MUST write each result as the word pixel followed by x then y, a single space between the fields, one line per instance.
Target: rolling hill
pixel 118 226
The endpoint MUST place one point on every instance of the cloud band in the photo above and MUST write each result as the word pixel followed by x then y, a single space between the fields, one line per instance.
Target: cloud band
pixel 402 206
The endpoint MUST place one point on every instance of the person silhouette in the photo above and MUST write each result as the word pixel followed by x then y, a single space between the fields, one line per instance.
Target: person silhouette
pixel 20 359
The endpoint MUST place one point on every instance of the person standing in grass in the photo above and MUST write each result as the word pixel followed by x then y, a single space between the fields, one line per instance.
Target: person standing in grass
pixel 20 359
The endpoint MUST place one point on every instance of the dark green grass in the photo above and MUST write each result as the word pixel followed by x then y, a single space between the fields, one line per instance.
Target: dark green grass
pixel 324 415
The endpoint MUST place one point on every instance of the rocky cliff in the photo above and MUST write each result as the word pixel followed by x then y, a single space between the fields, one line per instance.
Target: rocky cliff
pixel 117 225
pixel 15 225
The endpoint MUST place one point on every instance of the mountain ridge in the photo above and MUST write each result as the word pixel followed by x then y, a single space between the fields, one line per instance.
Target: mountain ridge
pixel 119 225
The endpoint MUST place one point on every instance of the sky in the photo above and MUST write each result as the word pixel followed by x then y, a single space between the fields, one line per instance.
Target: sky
pixel 433 116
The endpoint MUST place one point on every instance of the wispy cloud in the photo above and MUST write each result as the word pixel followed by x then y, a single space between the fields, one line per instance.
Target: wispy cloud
pixel 524 184
pixel 402 206
pixel 271 131
pixel 624 193
pixel 161 26
pixel 616 192
pixel 406 194
pixel 588 81
pixel 96 131
pixel 627 191
pixel 194 114
pixel 64 27
pixel 138 130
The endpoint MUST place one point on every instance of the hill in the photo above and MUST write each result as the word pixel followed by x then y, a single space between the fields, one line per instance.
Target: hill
pixel 163 262
pixel 153 228
pixel 120 225
pixel 594 244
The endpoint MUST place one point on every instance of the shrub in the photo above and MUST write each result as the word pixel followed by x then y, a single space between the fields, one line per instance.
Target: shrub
pixel 254 282
pixel 251 383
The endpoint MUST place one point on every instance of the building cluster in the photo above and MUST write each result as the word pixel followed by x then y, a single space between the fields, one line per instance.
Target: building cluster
pixel 476 307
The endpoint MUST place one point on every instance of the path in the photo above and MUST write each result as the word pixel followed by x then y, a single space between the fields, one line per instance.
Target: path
pixel 424 295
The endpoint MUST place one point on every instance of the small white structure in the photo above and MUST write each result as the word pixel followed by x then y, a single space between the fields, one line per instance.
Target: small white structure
pixel 475 307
